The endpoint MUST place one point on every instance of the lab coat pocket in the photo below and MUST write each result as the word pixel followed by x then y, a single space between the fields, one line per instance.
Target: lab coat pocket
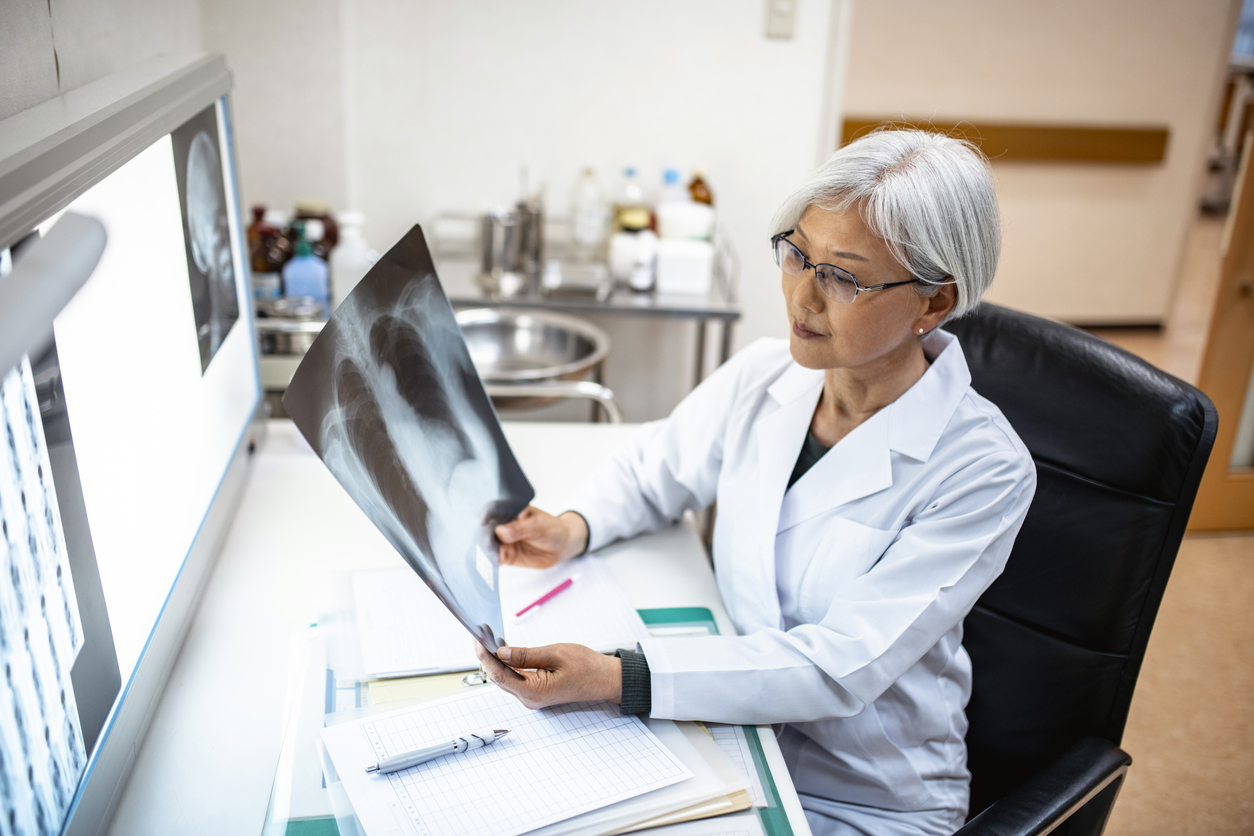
pixel 844 550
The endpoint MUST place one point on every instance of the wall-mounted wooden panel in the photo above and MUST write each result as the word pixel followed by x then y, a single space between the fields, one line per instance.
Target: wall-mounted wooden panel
pixel 1026 142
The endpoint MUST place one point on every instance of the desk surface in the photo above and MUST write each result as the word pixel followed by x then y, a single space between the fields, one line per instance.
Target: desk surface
pixel 208 761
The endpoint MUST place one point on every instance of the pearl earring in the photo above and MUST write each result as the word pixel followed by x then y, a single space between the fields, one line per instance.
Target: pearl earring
pixel 920 330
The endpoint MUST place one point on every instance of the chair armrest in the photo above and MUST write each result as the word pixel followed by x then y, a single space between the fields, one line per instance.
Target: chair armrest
pixel 1052 795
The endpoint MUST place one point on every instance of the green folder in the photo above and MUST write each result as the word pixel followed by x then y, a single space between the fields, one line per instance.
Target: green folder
pixel 773 817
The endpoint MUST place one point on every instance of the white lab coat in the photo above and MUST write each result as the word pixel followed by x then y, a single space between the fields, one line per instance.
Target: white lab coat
pixel 847 591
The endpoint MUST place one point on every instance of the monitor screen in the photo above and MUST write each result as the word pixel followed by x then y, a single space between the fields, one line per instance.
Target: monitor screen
pixel 119 432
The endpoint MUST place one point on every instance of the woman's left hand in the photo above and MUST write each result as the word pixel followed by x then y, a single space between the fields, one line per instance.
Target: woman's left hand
pixel 554 674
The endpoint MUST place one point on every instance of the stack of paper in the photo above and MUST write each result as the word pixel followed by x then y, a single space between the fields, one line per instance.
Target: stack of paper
pixel 406 631
pixel 575 770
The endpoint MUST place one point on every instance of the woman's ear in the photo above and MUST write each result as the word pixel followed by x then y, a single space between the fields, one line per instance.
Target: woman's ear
pixel 939 304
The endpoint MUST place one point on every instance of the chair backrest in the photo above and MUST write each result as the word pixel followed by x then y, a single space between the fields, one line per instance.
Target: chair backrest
pixel 1120 447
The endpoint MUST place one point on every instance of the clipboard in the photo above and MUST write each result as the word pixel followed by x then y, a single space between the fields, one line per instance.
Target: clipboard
pixel 694 621
pixel 333 694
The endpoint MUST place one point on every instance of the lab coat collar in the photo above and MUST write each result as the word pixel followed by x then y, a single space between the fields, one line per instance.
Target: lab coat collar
pixel 861 463
pixel 795 382
pixel 917 419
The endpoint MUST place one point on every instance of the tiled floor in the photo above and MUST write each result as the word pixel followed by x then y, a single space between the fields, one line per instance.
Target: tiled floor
pixel 1191 728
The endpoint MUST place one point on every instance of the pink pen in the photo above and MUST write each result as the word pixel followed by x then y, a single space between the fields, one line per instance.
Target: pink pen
pixel 546 596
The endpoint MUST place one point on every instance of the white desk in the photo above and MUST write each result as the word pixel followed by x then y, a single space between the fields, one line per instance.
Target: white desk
pixel 208 761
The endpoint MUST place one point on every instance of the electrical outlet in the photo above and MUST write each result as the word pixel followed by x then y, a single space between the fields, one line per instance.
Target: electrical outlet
pixel 781 17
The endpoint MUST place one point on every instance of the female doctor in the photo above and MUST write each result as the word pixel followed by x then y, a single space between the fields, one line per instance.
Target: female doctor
pixel 866 497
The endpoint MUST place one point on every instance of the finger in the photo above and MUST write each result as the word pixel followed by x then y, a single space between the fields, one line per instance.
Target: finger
pixel 530 657
pixel 499 673
pixel 508 554
pixel 532 525
pixel 516 528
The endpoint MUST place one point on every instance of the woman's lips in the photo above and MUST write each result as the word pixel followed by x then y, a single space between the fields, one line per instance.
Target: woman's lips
pixel 804 332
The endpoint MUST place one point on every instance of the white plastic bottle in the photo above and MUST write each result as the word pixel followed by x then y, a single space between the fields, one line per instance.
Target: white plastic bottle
pixel 672 190
pixel 589 217
pixel 352 257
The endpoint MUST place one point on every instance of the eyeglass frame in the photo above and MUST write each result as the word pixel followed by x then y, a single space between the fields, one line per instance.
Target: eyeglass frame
pixel 805 262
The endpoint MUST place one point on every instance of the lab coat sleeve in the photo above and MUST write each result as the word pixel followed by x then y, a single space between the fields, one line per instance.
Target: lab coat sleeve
pixel 877 626
pixel 669 466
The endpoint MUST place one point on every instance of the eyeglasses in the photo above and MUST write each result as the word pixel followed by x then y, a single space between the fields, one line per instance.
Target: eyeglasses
pixel 837 284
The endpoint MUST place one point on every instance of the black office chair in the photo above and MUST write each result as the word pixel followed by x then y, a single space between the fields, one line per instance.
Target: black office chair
pixel 1058 639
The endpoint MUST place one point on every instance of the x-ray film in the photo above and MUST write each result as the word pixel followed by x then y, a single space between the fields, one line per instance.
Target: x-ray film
pixel 42 754
pixel 389 399
pixel 206 230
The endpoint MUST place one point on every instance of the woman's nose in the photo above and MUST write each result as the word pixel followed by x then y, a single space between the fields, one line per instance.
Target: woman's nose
pixel 806 293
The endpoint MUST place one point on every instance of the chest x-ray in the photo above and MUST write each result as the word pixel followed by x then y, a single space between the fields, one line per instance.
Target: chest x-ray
pixel 389 399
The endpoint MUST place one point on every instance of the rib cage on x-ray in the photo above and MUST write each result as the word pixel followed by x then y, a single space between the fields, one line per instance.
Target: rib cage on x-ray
pixel 390 400
pixel 42 755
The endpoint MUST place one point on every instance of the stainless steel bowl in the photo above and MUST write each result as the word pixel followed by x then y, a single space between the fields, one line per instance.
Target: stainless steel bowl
pixel 518 347
pixel 289 325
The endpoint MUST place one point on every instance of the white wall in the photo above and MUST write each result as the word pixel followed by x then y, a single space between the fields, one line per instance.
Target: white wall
pixel 48 47
pixel 443 101
pixel 1085 243
pixel 286 59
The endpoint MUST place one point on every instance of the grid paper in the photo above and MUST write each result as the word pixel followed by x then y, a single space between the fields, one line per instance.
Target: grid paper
pixel 554 764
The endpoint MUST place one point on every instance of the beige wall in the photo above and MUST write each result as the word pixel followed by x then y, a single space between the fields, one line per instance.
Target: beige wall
pixel 1085 243
pixel 48 47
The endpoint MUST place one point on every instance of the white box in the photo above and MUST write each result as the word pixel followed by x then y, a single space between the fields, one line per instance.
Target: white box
pixel 684 267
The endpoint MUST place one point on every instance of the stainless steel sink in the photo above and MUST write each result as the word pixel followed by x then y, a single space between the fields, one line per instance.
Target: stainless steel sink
pixel 532 358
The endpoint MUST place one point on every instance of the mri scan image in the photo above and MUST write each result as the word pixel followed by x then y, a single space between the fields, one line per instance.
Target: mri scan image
pixel 198 166
pixel 389 399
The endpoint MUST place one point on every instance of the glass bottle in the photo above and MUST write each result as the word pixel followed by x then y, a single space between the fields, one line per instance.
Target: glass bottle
pixel 631 211
pixel 699 190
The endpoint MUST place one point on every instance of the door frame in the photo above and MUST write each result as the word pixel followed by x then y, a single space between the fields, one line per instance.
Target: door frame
pixel 1225 498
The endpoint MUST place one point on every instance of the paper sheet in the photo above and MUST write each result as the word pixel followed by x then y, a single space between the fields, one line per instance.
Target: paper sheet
pixel 405 630
pixel 383 691
pixel 714 777
pixel 592 612
pixel 593 755
pixel 731 740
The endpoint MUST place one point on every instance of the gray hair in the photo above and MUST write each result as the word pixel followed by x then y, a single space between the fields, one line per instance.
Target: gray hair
pixel 930 197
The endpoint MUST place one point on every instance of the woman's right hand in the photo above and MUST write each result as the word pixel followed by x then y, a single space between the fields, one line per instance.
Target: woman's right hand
pixel 538 540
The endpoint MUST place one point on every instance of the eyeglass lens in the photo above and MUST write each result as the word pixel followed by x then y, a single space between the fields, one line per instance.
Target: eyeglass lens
pixel 835 283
